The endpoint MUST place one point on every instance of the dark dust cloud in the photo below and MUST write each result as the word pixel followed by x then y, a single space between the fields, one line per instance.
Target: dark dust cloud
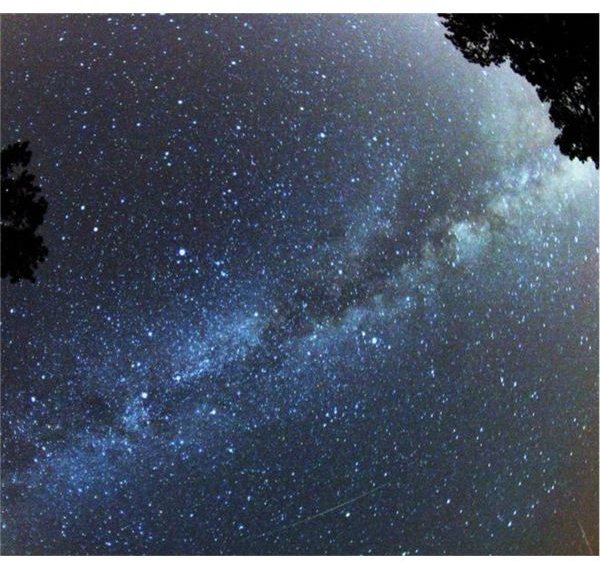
pixel 316 285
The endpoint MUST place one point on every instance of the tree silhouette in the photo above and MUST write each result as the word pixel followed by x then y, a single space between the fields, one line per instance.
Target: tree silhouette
pixel 556 53
pixel 22 212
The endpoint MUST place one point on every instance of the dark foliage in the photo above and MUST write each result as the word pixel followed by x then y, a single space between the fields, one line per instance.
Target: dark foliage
pixel 22 213
pixel 556 53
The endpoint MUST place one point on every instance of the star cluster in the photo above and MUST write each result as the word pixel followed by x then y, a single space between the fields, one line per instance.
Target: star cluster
pixel 316 285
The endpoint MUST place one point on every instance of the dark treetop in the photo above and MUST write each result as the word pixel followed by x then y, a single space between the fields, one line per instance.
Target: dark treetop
pixel 22 213
pixel 558 54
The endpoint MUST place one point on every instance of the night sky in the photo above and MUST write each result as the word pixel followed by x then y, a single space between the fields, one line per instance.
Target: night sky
pixel 316 285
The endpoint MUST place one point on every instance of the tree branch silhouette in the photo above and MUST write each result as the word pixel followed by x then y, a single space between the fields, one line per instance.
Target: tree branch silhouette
pixel 22 213
pixel 556 53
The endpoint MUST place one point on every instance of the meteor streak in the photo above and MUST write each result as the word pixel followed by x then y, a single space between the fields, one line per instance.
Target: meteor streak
pixel 584 535
pixel 324 512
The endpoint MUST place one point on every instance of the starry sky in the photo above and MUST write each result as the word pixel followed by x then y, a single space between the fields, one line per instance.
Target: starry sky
pixel 316 285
